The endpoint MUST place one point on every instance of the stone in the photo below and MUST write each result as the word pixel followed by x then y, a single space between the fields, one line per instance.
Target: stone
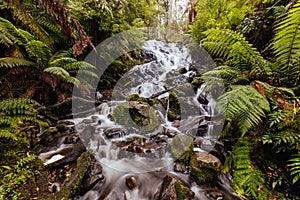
pixel 172 189
pixel 114 133
pixel 92 176
pixel 176 123
pixel 87 133
pixel 204 167
pixel 180 167
pixel 131 182
pixel 95 118
pixel 137 116
pixel 181 69
pixel 215 195
pixel 87 121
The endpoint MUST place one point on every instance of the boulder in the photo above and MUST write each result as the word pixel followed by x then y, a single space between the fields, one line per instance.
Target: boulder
pixel 136 115
pixel 204 167
pixel 92 176
pixel 172 189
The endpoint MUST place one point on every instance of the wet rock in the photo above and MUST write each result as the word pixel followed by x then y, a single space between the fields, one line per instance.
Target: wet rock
pixel 71 139
pixel 70 156
pixel 136 116
pixel 176 123
pixel 87 133
pixel 131 182
pixel 181 69
pixel 95 118
pixel 180 167
pixel 69 123
pixel 202 99
pixel 181 147
pixel 54 187
pixel 215 195
pixel 174 107
pixel 92 176
pixel 172 189
pixel 114 133
pixel 87 121
pixel 198 142
pixel 72 184
pixel 61 127
pixel 204 167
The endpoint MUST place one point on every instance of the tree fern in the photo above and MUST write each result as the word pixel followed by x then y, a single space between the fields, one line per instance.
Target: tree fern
pixel 286 46
pixel 245 106
pixel 234 48
pixel 225 74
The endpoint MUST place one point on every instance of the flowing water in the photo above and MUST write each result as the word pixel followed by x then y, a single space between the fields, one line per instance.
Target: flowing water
pixel 148 161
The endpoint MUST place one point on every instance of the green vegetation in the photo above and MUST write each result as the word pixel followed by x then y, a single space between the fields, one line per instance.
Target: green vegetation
pixel 261 107
pixel 256 45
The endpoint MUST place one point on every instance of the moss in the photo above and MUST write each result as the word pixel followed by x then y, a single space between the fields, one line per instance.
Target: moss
pixel 197 82
pixel 182 148
pixel 183 192
pixel 174 106
pixel 72 185
pixel 61 127
pixel 124 114
pixel 204 173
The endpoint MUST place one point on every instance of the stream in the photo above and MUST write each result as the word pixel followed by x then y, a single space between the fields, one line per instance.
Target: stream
pixel 137 156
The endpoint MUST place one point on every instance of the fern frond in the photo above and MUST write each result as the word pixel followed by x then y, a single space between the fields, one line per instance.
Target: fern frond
pixel 294 164
pixel 10 62
pixel 229 75
pixel 39 51
pixel 15 35
pixel 247 179
pixel 245 105
pixel 62 74
pixel 286 45
pixel 232 46
pixel 7 133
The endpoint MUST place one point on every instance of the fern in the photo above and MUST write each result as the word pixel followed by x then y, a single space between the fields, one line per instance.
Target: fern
pixel 15 112
pixel 226 75
pixel 40 51
pixel 286 46
pixel 244 105
pixel 12 34
pixel 10 62
pixel 247 179
pixel 294 164
pixel 62 74
pixel 233 48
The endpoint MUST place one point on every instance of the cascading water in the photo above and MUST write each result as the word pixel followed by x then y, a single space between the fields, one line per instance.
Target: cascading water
pixel 109 142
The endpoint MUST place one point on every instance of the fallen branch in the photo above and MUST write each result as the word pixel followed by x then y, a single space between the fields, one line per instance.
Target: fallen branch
pixel 160 93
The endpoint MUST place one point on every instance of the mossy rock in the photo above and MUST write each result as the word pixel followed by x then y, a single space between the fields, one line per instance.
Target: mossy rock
pixel 182 147
pixel 182 192
pixel 136 115
pixel 174 106
pixel 72 185
pixel 136 97
pixel 61 127
pixel 204 167
pixel 173 189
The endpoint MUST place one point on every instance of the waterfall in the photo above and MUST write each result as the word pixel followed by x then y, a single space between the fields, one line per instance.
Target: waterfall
pixel 148 164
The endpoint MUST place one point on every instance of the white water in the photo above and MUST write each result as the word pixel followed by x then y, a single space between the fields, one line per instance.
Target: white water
pixel 149 169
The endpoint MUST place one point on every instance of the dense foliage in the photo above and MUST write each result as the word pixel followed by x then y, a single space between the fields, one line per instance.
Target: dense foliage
pixel 261 108
pixel 256 45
